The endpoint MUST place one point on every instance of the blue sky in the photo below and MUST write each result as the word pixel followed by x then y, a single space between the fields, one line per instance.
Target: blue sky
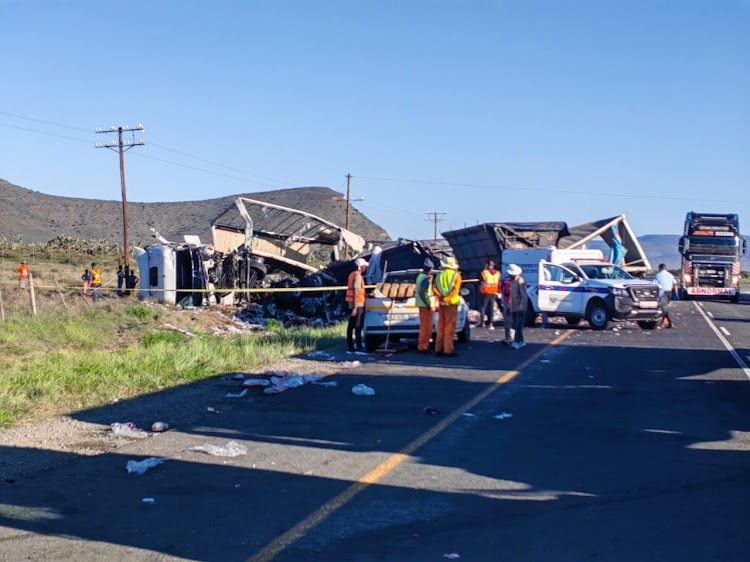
pixel 535 110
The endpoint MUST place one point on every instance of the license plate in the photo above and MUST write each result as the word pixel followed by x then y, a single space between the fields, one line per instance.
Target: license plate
pixel 649 304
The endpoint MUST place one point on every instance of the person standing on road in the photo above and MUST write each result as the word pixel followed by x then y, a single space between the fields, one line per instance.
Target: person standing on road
pixel 23 275
pixel 120 280
pixel 425 302
pixel 446 289
pixel 507 316
pixel 667 286
pixel 96 282
pixel 355 298
pixel 86 278
pixel 517 303
pixel 490 289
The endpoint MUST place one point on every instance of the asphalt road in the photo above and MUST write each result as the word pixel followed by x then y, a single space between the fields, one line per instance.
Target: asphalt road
pixel 621 445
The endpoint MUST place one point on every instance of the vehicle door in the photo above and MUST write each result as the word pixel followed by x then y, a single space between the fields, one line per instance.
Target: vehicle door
pixel 559 289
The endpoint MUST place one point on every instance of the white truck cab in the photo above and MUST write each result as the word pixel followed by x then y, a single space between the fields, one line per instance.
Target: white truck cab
pixel 582 284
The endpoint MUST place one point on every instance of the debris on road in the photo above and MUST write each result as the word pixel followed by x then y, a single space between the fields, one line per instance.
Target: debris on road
pixel 236 395
pixel 127 429
pixel 255 383
pixel 363 390
pixel 503 416
pixel 452 555
pixel 139 467
pixel 212 410
pixel 283 381
pixel 229 449
pixel 329 383
pixel 350 364
pixel 148 500
pixel 158 427
pixel 430 411
pixel 468 415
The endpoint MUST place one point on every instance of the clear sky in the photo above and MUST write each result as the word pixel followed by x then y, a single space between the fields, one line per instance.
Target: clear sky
pixel 525 110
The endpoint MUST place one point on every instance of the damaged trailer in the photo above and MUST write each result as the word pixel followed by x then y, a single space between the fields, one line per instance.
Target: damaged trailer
pixel 256 245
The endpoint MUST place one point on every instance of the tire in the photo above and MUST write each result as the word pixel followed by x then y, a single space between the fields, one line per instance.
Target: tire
pixel 573 321
pixel 684 295
pixel 464 336
pixel 735 297
pixel 648 324
pixel 597 315
pixel 371 342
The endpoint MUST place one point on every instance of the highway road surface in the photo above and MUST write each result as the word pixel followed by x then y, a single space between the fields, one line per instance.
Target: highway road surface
pixel 622 444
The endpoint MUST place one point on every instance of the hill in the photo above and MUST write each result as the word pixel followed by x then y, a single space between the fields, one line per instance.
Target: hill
pixel 40 217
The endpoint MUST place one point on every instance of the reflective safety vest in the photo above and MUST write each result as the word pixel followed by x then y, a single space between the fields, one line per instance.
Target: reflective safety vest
pixel 444 281
pixel 490 282
pixel 360 292
pixel 23 271
pixel 430 298
pixel 97 273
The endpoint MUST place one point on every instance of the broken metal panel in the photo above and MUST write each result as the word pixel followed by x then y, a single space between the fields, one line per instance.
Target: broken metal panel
pixel 635 258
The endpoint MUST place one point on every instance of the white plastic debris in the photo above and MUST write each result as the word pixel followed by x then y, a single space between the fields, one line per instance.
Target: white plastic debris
pixel 468 415
pixel 452 555
pixel 255 383
pixel 148 500
pixel 320 353
pixel 139 467
pixel 503 416
pixel 236 395
pixel 350 364
pixel 127 429
pixel 363 390
pixel 288 381
pixel 545 361
pixel 229 449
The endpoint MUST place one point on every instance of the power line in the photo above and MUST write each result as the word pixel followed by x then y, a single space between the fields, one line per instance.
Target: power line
pixel 44 132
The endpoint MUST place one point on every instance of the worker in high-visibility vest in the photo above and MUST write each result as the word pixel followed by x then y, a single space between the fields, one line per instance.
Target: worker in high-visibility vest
pixel 23 275
pixel 96 281
pixel 490 289
pixel 425 301
pixel 446 288
pixel 355 299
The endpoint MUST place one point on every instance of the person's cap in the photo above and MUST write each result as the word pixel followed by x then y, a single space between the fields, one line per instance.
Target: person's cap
pixel 24 262
pixel 93 265
pixel 449 263
pixel 514 269
pixel 428 264
pixel 361 262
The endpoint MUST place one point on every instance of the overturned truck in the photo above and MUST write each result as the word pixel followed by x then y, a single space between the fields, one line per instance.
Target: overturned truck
pixel 256 245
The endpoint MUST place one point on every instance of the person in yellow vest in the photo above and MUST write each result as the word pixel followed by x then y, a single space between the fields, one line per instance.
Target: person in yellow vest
pixel 490 289
pixel 355 299
pixel 96 281
pixel 446 288
pixel 23 275
pixel 425 302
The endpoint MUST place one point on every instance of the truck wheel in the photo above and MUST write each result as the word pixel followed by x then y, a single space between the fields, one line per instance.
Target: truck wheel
pixel 648 324
pixel 465 335
pixel 684 295
pixel 598 316
pixel 735 297
pixel 573 321
pixel 371 342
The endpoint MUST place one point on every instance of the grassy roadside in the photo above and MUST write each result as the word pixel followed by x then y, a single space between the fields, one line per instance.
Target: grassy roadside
pixel 79 354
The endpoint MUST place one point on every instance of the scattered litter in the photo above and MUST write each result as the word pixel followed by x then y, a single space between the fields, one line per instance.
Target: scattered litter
pixel 255 383
pixel 158 427
pixel 390 354
pixel 127 429
pixel 175 328
pixel 557 332
pixel 320 353
pixel 591 376
pixel 139 467
pixel 230 449
pixel 350 364
pixel 288 381
pixel 545 361
pixel 148 500
pixel 430 411
pixel 468 415
pixel 363 390
pixel 329 383
pixel 236 395
pixel 360 353
pixel 503 416
pixel 452 555
pixel 238 377
pixel 212 410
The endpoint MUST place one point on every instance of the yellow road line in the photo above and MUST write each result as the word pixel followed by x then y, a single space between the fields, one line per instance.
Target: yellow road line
pixel 375 475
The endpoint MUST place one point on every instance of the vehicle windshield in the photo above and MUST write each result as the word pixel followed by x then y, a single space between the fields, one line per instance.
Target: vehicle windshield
pixel 713 241
pixel 605 271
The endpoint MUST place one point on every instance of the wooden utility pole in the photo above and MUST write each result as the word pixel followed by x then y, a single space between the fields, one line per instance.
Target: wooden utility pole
pixel 349 201
pixel 433 218
pixel 121 146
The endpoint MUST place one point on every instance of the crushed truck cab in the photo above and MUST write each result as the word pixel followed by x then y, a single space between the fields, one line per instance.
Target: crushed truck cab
pixel 582 285
pixel 391 311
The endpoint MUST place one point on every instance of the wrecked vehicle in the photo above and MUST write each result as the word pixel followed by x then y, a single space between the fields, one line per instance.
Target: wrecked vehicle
pixel 256 245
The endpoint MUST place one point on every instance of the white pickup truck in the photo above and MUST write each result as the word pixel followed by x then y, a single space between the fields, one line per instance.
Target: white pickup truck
pixel 395 314
pixel 581 284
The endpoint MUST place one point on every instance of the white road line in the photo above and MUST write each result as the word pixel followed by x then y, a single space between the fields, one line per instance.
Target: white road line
pixel 701 304
pixel 724 331
pixel 728 345
pixel 710 314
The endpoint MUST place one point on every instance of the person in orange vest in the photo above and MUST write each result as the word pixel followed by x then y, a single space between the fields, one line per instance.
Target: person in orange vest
pixel 355 299
pixel 490 289
pixel 96 282
pixel 446 287
pixel 23 275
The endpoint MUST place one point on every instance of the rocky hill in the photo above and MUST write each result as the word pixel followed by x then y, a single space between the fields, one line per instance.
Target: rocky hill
pixel 40 217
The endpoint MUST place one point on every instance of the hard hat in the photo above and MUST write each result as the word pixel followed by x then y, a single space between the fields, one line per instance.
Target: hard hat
pixel 428 264
pixel 514 269
pixel 449 263
pixel 360 262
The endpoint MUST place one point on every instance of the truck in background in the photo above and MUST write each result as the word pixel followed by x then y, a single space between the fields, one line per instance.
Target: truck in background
pixel 711 248
pixel 581 285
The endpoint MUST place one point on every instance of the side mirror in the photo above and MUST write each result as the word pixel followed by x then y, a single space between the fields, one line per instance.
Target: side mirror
pixel 464 292
pixel 681 245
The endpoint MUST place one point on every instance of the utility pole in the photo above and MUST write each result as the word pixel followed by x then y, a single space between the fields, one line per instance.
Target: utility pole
pixel 433 218
pixel 349 201
pixel 121 146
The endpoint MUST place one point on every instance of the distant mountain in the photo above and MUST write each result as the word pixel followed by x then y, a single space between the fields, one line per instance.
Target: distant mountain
pixel 41 218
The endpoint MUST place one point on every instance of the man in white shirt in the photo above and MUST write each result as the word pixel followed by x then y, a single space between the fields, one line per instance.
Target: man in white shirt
pixel 667 285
